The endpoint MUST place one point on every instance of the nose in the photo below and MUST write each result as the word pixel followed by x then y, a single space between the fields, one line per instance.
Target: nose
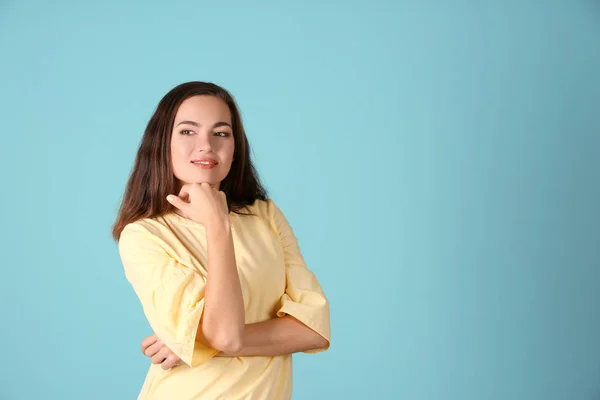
pixel 204 142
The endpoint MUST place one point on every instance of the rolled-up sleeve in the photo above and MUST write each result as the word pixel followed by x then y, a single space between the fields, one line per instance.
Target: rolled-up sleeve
pixel 171 294
pixel 304 298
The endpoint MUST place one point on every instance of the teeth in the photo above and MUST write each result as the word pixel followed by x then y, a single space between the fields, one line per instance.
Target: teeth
pixel 204 162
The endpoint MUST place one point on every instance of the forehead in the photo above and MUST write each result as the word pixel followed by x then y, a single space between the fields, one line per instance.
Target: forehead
pixel 203 109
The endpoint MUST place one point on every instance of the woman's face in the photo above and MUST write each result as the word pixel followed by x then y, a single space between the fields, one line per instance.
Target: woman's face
pixel 202 142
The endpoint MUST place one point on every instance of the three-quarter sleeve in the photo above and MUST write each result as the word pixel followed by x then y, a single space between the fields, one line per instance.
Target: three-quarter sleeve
pixel 171 294
pixel 304 298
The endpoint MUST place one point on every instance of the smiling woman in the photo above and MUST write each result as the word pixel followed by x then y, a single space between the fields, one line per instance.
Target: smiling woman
pixel 213 260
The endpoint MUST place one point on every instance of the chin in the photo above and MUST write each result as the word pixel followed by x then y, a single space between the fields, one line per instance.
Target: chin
pixel 200 178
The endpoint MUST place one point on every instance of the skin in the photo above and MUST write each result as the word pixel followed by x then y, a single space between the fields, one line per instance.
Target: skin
pixel 202 128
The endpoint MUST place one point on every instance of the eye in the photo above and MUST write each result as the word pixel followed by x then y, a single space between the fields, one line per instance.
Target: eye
pixel 222 134
pixel 186 132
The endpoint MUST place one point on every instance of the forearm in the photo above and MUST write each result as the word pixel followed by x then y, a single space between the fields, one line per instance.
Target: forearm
pixel 223 317
pixel 277 336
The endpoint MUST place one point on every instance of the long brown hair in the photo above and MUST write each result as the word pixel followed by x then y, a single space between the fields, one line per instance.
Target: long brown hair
pixel 152 178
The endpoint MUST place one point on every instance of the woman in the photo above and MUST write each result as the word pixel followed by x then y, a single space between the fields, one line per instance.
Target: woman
pixel 213 261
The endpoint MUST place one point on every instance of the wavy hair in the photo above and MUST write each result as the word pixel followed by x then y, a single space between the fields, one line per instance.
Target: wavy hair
pixel 152 178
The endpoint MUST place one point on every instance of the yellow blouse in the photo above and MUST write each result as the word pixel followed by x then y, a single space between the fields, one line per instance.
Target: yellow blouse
pixel 165 262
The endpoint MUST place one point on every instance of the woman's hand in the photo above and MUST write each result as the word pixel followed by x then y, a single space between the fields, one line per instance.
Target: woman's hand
pixel 159 353
pixel 201 203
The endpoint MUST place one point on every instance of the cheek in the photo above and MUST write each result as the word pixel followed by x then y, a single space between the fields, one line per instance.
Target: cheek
pixel 179 150
pixel 179 159
pixel 229 150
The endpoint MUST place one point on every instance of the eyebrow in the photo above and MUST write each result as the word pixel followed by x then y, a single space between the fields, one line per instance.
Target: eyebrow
pixel 216 124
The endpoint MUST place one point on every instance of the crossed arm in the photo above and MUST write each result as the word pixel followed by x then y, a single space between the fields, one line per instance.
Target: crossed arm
pixel 285 335
pixel 221 326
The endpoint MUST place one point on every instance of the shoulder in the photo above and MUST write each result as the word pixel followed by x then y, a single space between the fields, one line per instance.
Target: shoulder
pixel 144 232
pixel 144 226
pixel 262 208
pixel 270 212
pixel 267 210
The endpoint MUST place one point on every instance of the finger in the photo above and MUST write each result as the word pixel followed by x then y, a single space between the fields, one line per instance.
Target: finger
pixel 184 192
pixel 148 341
pixel 178 202
pixel 171 361
pixel 161 356
pixel 223 199
pixel 152 350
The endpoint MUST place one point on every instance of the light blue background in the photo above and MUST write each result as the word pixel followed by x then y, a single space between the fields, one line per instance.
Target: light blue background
pixel 439 161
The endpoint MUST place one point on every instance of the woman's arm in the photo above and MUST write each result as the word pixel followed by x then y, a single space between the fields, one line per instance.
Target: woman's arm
pixel 285 335
pixel 278 336
pixel 222 322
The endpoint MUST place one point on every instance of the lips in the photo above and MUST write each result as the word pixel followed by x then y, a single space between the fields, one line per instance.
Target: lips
pixel 204 161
